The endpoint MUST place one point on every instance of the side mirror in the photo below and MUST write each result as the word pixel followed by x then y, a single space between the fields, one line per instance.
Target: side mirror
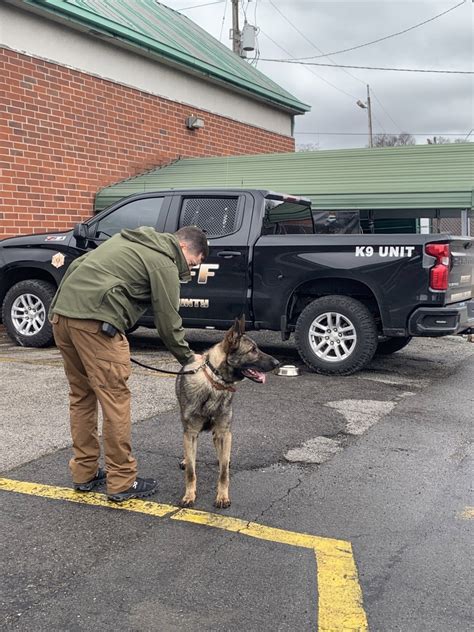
pixel 81 233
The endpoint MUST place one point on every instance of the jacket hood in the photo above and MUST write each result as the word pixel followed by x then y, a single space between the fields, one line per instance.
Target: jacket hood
pixel 164 243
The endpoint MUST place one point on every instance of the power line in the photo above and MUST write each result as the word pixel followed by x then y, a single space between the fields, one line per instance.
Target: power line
pixel 286 18
pixel 223 20
pixel 459 134
pixel 198 6
pixel 351 96
pixel 381 39
pixel 313 63
pixel 379 102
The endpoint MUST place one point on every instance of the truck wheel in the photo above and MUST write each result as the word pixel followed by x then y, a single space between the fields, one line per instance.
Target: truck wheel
pixel 336 335
pixel 387 346
pixel 25 313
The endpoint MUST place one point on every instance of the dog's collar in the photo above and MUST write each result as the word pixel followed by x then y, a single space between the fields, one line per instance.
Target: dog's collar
pixel 221 384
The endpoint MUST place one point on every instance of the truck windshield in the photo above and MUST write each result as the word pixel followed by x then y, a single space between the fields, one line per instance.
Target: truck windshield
pixel 283 218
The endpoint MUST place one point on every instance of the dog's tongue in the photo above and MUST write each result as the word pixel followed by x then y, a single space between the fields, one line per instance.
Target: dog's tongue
pixel 258 376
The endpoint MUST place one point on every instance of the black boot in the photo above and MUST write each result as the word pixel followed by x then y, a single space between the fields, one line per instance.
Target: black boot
pixel 98 479
pixel 141 488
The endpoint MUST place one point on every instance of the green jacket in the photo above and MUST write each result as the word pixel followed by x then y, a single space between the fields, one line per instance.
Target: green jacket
pixel 117 281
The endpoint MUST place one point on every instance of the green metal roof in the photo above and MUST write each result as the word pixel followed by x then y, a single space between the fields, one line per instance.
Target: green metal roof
pixel 411 177
pixel 166 34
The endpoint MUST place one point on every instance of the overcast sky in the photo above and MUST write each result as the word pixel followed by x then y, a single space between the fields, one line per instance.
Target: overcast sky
pixel 422 104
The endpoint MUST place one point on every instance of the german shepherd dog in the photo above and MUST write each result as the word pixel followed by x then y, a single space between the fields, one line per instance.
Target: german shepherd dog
pixel 205 399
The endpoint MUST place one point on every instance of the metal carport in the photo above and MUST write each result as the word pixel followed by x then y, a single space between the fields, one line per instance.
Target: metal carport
pixel 389 183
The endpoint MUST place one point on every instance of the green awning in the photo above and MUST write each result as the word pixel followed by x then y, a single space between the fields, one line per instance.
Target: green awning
pixel 411 177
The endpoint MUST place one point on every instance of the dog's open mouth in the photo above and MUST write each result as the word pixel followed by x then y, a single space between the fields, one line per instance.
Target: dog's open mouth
pixel 254 375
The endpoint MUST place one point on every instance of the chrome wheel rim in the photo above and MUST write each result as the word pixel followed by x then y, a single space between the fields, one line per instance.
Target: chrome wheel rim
pixel 28 314
pixel 332 337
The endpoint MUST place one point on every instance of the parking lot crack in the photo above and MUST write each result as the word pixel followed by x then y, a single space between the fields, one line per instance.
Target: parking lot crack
pixel 277 500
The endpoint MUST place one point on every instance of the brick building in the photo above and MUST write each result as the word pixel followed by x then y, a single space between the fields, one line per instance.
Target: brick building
pixel 93 91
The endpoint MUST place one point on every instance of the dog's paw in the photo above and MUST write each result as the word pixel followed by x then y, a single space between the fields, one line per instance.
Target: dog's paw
pixel 187 502
pixel 222 503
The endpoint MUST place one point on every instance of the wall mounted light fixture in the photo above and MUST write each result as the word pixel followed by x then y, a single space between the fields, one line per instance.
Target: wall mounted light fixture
pixel 193 122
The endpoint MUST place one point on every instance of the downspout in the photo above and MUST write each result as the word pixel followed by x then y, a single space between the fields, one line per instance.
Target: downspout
pixel 465 223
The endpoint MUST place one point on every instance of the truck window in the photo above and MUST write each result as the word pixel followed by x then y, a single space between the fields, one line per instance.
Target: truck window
pixel 132 215
pixel 284 218
pixel 336 222
pixel 216 216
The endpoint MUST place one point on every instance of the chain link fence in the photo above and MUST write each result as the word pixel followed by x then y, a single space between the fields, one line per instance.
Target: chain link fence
pixel 453 225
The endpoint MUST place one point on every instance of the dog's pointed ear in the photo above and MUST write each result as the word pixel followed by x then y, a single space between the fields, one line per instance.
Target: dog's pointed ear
pixel 233 336
pixel 240 324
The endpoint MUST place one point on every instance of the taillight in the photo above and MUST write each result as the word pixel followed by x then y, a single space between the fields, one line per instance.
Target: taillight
pixel 439 273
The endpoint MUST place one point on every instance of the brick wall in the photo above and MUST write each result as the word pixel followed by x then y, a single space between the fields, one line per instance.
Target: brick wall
pixel 66 134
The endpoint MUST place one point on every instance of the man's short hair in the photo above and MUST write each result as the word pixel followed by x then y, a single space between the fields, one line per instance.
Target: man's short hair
pixel 195 238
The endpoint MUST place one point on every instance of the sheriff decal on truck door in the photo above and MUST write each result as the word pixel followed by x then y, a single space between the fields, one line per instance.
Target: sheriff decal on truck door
pixel 194 302
pixel 204 271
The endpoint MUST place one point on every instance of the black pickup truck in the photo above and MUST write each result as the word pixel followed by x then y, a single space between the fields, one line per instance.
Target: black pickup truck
pixel 344 296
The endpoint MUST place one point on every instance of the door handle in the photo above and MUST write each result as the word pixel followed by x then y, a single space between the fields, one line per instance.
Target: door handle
pixel 228 254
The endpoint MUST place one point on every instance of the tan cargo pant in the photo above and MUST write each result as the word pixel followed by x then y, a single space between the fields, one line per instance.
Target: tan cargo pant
pixel 97 368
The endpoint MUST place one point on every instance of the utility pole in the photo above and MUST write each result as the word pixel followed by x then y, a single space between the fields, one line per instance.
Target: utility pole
pixel 236 34
pixel 369 112
pixel 367 106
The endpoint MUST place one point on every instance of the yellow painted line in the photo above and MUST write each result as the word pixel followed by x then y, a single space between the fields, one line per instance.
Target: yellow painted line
pixel 339 594
pixel 90 498
pixel 468 513
pixel 253 529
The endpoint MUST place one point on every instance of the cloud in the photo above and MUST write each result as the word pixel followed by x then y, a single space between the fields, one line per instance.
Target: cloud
pixel 414 102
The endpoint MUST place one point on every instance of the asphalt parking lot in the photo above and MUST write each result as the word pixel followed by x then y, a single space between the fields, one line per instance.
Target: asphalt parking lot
pixel 34 395
pixel 327 474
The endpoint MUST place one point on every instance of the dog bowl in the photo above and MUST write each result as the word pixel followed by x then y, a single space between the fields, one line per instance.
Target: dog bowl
pixel 289 370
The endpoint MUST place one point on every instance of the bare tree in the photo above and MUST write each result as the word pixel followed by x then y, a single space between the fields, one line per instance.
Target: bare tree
pixel 307 146
pixel 442 140
pixel 393 140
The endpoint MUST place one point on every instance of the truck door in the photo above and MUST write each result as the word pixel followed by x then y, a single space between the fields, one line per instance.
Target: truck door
pixel 217 292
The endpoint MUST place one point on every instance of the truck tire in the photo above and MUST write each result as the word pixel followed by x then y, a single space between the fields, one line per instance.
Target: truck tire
pixel 25 313
pixel 387 346
pixel 336 335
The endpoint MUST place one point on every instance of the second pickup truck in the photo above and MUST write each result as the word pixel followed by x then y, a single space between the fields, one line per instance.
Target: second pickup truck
pixel 343 296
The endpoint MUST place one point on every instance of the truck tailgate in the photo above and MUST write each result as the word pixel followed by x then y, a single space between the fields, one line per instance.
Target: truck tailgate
pixel 461 274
